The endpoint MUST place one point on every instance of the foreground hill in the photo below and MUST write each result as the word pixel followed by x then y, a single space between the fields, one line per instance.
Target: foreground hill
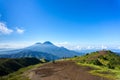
pixel 102 58
pixel 106 63
pixel 45 50
pixel 11 65
pixel 60 70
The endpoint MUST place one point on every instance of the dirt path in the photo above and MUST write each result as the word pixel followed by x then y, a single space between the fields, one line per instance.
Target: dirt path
pixel 64 70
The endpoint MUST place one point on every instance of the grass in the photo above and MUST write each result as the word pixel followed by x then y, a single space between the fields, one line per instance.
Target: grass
pixel 112 74
pixel 105 63
pixel 19 75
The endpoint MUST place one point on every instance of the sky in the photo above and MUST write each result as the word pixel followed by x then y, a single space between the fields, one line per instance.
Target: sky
pixel 70 23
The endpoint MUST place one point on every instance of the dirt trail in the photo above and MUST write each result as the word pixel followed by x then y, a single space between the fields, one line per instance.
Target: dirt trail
pixel 64 70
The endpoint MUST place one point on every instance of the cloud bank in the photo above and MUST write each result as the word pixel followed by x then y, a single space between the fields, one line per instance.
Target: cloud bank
pixel 4 29
pixel 20 31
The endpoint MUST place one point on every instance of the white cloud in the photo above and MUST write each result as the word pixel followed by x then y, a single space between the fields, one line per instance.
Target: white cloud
pixel 62 44
pixel 20 31
pixel 4 29
pixel 118 47
pixel 68 45
pixel 15 44
pixel 103 47
pixel 82 47
pixel 90 47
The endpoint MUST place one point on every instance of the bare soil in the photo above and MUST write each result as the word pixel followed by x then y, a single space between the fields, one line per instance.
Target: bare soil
pixel 63 70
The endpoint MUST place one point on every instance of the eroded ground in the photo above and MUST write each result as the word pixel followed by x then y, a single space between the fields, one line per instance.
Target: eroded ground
pixel 62 70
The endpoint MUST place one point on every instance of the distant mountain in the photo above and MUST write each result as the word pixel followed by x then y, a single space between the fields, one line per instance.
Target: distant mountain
pixel 50 48
pixel 45 50
pixel 85 51
pixel 116 51
pixel 29 53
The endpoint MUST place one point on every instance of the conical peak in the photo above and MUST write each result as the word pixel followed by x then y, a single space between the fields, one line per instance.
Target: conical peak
pixel 48 43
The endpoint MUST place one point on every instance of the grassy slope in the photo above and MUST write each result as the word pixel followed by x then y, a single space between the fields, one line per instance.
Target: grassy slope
pixel 19 75
pixel 106 64
pixel 11 65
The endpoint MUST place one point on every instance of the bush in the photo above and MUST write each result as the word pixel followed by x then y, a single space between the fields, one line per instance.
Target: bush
pixel 97 62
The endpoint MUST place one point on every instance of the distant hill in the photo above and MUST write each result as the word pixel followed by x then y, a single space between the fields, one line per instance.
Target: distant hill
pixel 29 53
pixel 102 58
pixel 84 51
pixel 11 65
pixel 45 50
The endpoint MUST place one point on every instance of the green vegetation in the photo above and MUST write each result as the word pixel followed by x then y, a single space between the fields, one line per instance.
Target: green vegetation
pixel 11 65
pixel 26 65
pixel 105 63
pixel 20 74
pixel 101 58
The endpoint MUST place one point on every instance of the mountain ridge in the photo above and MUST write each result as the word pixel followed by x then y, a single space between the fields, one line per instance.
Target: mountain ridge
pixel 39 50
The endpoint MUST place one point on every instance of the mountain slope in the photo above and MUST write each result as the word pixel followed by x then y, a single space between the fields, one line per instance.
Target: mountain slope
pixel 102 58
pixel 29 53
pixel 45 50
pixel 50 48
pixel 11 65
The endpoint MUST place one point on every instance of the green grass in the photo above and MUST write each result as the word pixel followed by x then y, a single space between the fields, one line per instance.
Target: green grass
pixel 111 74
pixel 106 64
pixel 19 75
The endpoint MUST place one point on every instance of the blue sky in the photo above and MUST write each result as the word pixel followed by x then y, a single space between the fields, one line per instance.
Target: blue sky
pixel 73 22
